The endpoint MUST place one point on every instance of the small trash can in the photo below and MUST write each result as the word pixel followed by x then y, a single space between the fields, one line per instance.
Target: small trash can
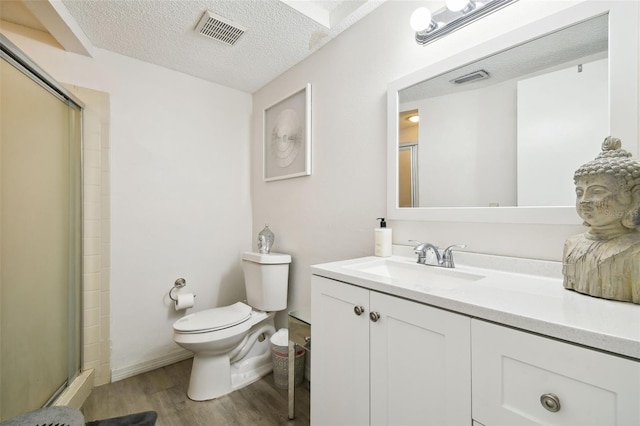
pixel 280 358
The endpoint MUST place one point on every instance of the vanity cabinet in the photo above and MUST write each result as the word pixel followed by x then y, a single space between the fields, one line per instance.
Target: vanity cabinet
pixel 526 379
pixel 380 359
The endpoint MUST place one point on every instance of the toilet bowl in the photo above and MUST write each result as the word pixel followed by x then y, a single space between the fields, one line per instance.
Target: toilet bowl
pixel 220 337
pixel 231 343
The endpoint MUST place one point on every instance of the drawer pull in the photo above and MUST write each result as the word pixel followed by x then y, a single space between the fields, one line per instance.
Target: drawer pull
pixel 550 402
pixel 359 310
pixel 374 316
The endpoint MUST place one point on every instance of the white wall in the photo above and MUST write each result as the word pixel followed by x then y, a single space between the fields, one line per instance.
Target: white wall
pixel 330 215
pixel 179 187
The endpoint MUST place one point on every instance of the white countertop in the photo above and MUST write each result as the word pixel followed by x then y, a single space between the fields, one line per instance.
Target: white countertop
pixel 535 303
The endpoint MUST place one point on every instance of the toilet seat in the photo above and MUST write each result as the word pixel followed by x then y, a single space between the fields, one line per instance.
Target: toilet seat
pixel 213 319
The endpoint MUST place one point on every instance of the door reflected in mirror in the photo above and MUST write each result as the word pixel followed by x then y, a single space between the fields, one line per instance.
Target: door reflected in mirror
pixel 408 158
pixel 509 129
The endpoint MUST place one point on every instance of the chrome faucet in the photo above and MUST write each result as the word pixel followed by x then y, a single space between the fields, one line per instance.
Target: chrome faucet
pixel 421 250
pixel 445 260
pixel 447 255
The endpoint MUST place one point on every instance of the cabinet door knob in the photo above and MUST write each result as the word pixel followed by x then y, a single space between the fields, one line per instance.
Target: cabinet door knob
pixel 374 316
pixel 359 310
pixel 550 402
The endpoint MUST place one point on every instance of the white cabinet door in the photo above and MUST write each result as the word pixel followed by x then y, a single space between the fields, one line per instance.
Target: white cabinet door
pixel 340 353
pixel 516 373
pixel 420 364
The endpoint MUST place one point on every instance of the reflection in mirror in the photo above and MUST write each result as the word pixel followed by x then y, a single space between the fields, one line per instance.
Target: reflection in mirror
pixel 510 128
pixel 408 158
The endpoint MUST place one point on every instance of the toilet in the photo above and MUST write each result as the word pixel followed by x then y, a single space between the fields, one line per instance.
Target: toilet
pixel 231 343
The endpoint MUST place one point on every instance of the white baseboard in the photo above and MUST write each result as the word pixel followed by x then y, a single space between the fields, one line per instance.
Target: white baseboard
pixel 152 364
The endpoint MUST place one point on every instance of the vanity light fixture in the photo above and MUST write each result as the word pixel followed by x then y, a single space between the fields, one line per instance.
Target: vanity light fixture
pixel 455 15
pixel 460 5
pixel 414 118
pixel 421 21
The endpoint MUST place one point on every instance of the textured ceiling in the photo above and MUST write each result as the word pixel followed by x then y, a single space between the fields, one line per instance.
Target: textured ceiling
pixel 279 33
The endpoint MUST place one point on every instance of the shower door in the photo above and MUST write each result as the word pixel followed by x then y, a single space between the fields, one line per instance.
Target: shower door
pixel 40 240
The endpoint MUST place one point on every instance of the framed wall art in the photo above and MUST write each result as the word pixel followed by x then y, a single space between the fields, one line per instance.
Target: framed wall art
pixel 287 137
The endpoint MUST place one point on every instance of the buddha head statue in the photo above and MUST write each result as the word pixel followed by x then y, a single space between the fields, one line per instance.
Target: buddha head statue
pixel 608 190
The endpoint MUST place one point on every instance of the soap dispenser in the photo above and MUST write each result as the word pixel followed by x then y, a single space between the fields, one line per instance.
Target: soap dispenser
pixel 382 239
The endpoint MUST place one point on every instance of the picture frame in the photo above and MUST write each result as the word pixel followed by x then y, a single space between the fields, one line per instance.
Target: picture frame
pixel 287 137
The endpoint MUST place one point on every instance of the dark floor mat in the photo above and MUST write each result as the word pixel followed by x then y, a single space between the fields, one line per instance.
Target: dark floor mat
pixel 146 418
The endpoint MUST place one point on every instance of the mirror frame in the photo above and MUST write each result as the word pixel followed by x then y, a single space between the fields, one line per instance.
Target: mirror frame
pixel 624 40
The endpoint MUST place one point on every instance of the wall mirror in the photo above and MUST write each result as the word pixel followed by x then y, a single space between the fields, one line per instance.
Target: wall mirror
pixel 494 134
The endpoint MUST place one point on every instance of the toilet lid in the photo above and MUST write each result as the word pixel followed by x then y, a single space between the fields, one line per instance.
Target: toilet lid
pixel 213 319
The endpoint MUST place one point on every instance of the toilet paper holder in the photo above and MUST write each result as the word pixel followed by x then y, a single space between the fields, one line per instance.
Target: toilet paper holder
pixel 180 282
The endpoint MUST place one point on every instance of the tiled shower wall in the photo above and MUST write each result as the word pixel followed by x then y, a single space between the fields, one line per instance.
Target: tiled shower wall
pixel 97 242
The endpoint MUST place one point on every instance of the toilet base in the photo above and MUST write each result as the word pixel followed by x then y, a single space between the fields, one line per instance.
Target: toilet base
pixel 210 377
pixel 213 376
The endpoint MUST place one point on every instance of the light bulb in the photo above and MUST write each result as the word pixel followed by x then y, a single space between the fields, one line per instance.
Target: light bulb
pixel 457 5
pixel 414 118
pixel 420 19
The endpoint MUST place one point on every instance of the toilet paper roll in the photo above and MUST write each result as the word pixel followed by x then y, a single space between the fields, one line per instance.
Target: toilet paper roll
pixel 185 301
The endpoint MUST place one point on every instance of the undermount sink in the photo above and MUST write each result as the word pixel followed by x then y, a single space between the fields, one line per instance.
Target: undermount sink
pixel 415 275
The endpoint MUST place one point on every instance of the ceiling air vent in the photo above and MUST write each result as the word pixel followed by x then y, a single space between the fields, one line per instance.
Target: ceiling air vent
pixel 219 28
pixel 468 78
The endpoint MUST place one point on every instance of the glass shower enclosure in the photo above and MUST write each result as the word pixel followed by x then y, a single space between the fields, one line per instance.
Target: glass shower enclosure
pixel 40 236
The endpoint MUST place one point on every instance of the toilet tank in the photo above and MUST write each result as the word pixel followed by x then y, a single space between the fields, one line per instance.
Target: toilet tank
pixel 266 279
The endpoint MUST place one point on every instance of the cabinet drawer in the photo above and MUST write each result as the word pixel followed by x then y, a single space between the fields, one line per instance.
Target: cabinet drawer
pixel 525 379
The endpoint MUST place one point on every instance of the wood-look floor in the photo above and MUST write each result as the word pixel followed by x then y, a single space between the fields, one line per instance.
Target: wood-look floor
pixel 165 391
